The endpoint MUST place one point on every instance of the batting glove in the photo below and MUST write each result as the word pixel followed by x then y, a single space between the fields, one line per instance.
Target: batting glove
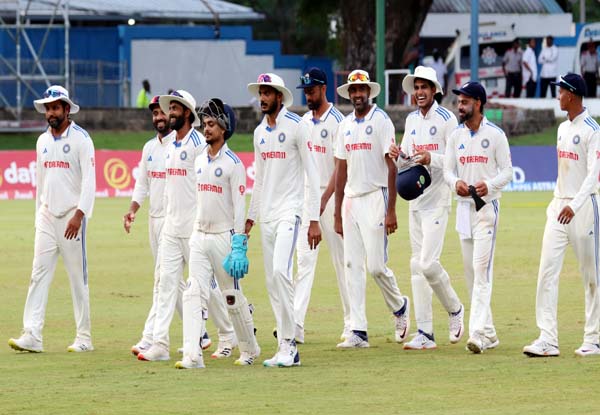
pixel 236 263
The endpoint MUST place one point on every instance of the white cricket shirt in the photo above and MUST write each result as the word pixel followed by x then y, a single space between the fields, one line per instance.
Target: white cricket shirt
pixel 282 157
pixel 152 175
pixel 478 156
pixel 529 58
pixel 220 190
pixel 65 171
pixel 578 151
pixel 430 132
pixel 364 143
pixel 549 60
pixel 180 187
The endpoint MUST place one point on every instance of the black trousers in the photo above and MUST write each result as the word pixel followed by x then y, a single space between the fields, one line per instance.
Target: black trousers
pixel 545 83
pixel 530 88
pixel 590 83
pixel 513 82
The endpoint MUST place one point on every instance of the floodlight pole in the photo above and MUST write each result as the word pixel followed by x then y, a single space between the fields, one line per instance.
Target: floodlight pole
pixel 380 47
pixel 474 52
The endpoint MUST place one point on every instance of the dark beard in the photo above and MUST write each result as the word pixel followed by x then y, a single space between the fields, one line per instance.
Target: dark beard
pixel 56 122
pixel 271 109
pixel 177 123
pixel 466 117
pixel 163 130
pixel 314 105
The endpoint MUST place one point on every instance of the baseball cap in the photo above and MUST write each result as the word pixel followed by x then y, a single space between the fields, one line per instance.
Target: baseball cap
pixel 573 83
pixel 472 89
pixel 412 182
pixel 312 77
pixel 154 102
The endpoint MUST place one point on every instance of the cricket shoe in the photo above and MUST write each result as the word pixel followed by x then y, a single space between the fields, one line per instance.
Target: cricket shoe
pixel 247 359
pixel 272 362
pixel 475 344
pixel 224 350
pixel 26 343
pixel 588 349
pixel 155 353
pixel 299 334
pixel 187 363
pixel 205 343
pixel 403 322
pixel 421 341
pixel 541 348
pixel 142 346
pixel 346 333
pixel 288 355
pixel 456 325
pixel 491 342
pixel 79 346
pixel 353 342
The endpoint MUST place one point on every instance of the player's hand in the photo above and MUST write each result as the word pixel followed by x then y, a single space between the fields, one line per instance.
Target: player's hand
pixel 462 189
pixel 337 225
pixel 391 222
pixel 566 215
pixel 394 151
pixel 481 189
pixel 128 219
pixel 248 227
pixel 73 225
pixel 422 157
pixel 314 234
pixel 324 201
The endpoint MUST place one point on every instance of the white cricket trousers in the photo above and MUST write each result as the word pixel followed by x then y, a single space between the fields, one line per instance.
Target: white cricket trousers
pixel 49 243
pixel 279 242
pixel 307 262
pixel 363 219
pixel 478 262
pixel 427 228
pixel 582 233
pixel 174 253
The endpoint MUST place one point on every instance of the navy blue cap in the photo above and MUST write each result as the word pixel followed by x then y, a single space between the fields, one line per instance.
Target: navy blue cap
pixel 312 77
pixel 573 83
pixel 472 89
pixel 412 182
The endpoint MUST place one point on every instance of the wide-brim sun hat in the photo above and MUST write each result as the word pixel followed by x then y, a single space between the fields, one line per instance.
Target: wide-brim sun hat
pixel 358 77
pixel 421 72
pixel 272 80
pixel 55 93
pixel 184 98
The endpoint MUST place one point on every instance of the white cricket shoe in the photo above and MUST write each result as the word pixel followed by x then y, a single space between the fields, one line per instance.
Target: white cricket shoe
pixel 188 363
pixel 224 350
pixel 247 359
pixel 588 349
pixel 354 341
pixel 456 325
pixel 288 354
pixel 299 334
pixel 272 362
pixel 79 346
pixel 403 322
pixel 541 348
pixel 475 344
pixel 346 333
pixel 26 343
pixel 155 353
pixel 491 342
pixel 142 346
pixel 420 342
pixel 205 341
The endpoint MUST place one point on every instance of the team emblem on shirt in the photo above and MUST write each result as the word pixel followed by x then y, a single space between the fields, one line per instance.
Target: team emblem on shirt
pixel 432 130
pixel 369 130
pixel 218 172
pixel 183 155
pixel 576 139
pixel 66 148
pixel 485 143
pixel 323 133
pixel 199 171
pixel 281 137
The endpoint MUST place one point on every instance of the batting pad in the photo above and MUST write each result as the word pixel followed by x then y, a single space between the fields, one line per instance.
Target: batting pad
pixel 242 321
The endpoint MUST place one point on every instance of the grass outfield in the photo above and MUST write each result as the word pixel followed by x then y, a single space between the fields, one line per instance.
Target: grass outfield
pixel 381 380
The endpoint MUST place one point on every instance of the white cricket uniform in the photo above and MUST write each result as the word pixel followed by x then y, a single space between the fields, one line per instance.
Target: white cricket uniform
pixel 470 156
pixel 428 214
pixel 151 183
pixel 282 157
pixel 174 249
pixel 65 181
pixel 322 136
pixel 578 148
pixel 363 143
pixel 221 189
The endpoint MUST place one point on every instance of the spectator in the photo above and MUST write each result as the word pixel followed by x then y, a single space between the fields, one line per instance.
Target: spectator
pixel 143 98
pixel 549 60
pixel 530 69
pixel 511 66
pixel 589 68
pixel 441 70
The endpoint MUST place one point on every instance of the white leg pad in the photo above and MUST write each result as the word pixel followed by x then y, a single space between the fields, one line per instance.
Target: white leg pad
pixel 242 321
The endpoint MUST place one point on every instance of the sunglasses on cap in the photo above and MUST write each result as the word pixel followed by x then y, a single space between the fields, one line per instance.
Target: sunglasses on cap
pixel 307 80
pixel 571 87
pixel 177 94
pixel 54 93
pixel 263 77
pixel 358 76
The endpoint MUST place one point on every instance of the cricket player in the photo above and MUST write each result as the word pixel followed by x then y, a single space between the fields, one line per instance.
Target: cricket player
pixel 572 218
pixel 365 212
pixel 426 132
pixel 323 119
pixel 218 235
pixel 282 159
pixel 180 207
pixel 66 187
pixel 477 164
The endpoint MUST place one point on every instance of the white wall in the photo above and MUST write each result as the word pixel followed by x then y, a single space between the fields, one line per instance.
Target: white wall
pixel 205 68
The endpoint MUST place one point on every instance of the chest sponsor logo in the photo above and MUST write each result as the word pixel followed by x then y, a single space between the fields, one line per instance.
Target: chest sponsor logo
pixel 323 133
pixel 176 172
pixel 576 139
pixel 56 164
pixel 473 160
pixel 266 155
pixel 369 130
pixel 485 143
pixel 219 172
pixel 183 155
pixel 212 188
pixel 156 174
pixel 432 130
pixel 569 155
pixel 358 147
pixel 428 147
pixel 66 148
pixel 281 137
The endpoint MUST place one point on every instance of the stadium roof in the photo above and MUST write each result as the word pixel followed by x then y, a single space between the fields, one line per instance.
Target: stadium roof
pixel 497 6
pixel 187 10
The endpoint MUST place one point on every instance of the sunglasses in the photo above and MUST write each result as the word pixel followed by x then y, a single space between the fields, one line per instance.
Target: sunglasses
pixel 358 76
pixel 307 80
pixel 262 78
pixel 571 87
pixel 53 93
pixel 177 94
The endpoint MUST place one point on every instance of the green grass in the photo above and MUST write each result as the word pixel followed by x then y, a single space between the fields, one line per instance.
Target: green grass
pixel 381 380
pixel 546 137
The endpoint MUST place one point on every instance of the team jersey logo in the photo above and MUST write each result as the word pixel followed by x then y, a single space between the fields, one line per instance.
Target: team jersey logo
pixel 150 158
pixel 432 130
pixel 310 146
pixel 413 132
pixel 369 130
pixel 66 148
pixel 262 141
pixel 485 143
pixel 218 172
pixel 576 139
pixel 242 189
pixel 323 133
pixel 199 171
pixel 45 150
pixel 281 137
pixel 461 147
pixel 183 155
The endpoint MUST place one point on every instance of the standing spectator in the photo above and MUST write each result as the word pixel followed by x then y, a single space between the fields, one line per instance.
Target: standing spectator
pixel 530 69
pixel 511 66
pixel 589 69
pixel 549 60
pixel 441 70
pixel 143 98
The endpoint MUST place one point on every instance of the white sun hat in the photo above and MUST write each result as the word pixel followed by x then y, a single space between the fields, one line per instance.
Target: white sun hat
pixel 55 93
pixel 421 72
pixel 274 81
pixel 359 77
pixel 184 98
